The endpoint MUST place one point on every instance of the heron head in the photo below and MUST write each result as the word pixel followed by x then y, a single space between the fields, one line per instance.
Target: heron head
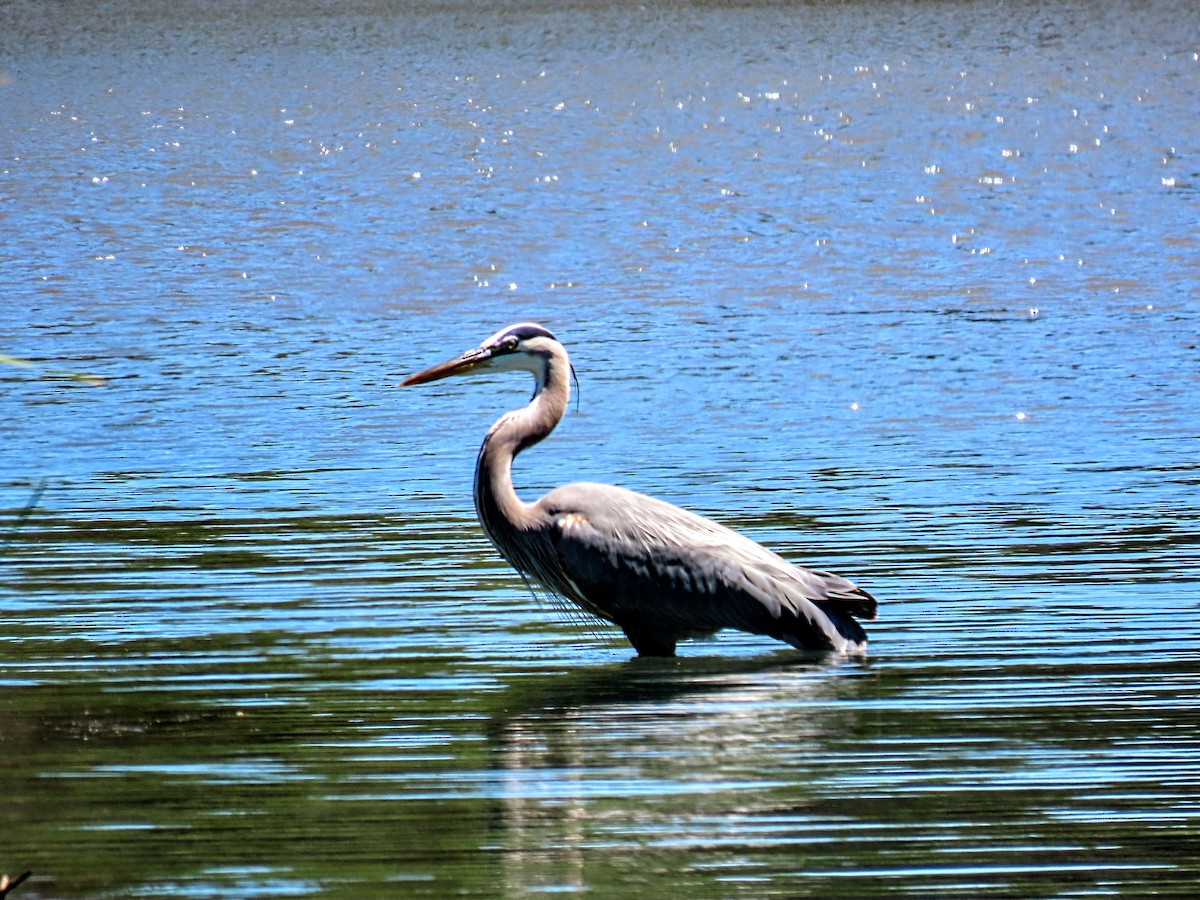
pixel 525 346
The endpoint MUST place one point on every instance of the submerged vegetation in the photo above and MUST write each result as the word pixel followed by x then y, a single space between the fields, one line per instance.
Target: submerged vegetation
pixel 53 371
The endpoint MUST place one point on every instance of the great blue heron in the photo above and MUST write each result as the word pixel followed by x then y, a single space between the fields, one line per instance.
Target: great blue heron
pixel 659 572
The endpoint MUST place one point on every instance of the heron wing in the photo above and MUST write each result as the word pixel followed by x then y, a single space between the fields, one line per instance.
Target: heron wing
pixel 638 559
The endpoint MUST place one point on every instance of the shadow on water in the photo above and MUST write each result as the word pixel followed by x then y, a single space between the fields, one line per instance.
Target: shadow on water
pixel 648 681
pixel 679 705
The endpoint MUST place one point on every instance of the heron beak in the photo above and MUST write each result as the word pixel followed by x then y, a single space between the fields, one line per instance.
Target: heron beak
pixel 460 365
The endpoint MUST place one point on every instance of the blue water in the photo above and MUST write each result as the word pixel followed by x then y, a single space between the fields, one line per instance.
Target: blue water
pixel 905 291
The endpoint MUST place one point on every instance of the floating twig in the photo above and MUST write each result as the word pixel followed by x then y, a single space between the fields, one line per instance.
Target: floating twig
pixel 7 884
pixel 53 372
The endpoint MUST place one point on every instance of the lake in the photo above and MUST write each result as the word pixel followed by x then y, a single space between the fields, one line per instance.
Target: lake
pixel 906 291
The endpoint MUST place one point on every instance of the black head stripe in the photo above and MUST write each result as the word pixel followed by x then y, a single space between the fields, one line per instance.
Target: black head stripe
pixel 526 331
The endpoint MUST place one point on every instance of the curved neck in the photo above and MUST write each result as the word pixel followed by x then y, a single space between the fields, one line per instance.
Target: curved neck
pixel 501 511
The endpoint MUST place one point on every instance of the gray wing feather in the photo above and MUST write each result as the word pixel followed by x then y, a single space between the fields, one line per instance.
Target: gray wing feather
pixel 626 555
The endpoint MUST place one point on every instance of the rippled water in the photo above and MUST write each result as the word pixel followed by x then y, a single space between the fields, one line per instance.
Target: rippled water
pixel 903 290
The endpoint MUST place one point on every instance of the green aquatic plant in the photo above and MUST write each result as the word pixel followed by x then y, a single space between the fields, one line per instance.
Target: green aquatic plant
pixel 53 372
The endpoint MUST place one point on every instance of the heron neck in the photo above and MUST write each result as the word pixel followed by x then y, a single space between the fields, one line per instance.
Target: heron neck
pixel 500 510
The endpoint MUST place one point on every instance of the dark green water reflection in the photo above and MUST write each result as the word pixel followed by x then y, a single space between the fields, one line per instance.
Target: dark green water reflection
pixel 257 745
pixel 720 775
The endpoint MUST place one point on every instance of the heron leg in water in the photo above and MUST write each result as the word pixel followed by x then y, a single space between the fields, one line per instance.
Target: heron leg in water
pixel 649 643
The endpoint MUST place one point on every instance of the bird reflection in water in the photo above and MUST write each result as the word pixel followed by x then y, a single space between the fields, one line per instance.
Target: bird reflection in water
pixel 686 740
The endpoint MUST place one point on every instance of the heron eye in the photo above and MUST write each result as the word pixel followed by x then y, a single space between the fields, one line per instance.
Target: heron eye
pixel 510 344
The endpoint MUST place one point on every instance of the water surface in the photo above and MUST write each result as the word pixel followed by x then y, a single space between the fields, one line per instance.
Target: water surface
pixel 904 290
